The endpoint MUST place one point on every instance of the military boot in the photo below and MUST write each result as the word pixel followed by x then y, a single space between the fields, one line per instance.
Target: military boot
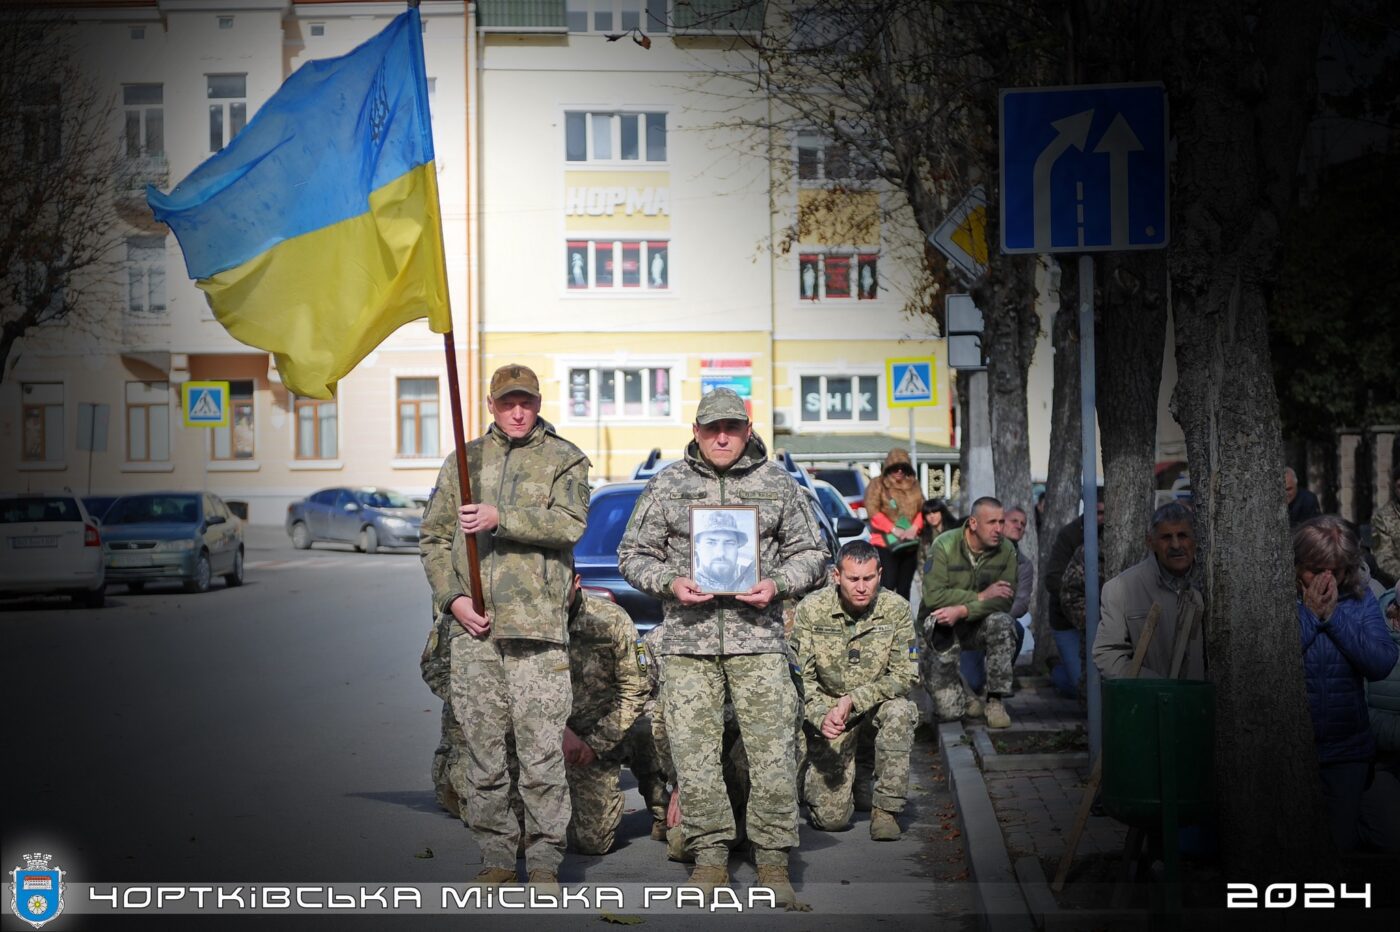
pixel 775 878
pixel 974 707
pixel 658 830
pixel 545 881
pixel 996 714
pixel 494 877
pixel 707 877
pixel 883 826
pixel 675 846
pixel 862 796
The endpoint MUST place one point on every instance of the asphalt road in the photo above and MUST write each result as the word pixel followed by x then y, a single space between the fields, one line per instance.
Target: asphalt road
pixel 279 733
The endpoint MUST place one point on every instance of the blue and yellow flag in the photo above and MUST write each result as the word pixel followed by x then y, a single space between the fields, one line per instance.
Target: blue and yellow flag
pixel 315 233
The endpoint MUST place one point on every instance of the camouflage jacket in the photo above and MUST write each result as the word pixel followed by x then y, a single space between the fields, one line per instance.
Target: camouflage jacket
pixel 539 484
pixel 608 673
pixel 871 658
pixel 954 575
pixel 655 550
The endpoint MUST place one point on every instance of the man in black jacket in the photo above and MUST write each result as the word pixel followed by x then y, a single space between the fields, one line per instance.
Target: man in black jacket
pixel 1069 640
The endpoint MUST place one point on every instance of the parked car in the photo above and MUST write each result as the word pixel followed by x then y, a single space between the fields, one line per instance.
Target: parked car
pixel 97 505
pixel 595 555
pixel 850 481
pixel 370 517
pixel 186 537
pixel 848 526
pixel 50 545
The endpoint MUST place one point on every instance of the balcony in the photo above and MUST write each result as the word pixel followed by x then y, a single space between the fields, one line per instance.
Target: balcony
pixel 717 17
pixel 524 17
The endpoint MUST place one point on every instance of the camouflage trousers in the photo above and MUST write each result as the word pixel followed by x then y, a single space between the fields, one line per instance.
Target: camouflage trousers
pixel 644 760
pixel 939 661
pixel 831 765
pixel 765 705
pixel 449 756
pixel 520 687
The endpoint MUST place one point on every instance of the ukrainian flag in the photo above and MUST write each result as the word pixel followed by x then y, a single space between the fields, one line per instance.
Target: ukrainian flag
pixel 315 233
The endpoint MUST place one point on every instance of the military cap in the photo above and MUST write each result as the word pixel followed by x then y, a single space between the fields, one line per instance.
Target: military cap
pixel 722 522
pixel 514 378
pixel 721 404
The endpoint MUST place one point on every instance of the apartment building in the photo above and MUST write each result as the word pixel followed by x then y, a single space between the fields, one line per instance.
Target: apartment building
pixel 617 216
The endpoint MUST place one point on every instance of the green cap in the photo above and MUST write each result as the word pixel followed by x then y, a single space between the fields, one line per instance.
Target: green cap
pixel 721 404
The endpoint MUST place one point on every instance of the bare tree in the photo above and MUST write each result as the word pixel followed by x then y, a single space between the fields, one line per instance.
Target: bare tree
pixel 57 171
pixel 899 101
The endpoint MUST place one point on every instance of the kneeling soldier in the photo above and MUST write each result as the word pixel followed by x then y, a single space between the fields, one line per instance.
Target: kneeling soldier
pixel 856 649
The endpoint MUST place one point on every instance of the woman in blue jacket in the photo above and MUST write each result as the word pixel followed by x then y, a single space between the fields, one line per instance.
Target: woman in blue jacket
pixel 1345 643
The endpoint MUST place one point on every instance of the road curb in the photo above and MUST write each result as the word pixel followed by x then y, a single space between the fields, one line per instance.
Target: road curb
pixel 1000 903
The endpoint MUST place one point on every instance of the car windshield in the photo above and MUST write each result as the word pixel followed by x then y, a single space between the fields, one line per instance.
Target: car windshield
pixel 38 509
pixel 844 479
pixel 384 498
pixel 607 519
pixel 97 505
pixel 832 503
pixel 154 509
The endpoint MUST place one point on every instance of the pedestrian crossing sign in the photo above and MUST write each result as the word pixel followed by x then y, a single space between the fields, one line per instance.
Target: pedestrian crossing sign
pixel 206 404
pixel 910 383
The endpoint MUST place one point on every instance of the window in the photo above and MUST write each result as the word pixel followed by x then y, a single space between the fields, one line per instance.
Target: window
pixel 148 422
pixel 228 108
pixel 235 442
pixel 318 29
pixel 616 15
pixel 614 137
pixel 620 394
pixel 145 275
pixel 823 160
pixel 41 417
pixel 824 29
pixel 418 417
pixel 836 276
pixel 601 265
pixel 840 398
pixel 137 32
pixel 225 22
pixel 41 127
pixel 145 119
pixel 316 423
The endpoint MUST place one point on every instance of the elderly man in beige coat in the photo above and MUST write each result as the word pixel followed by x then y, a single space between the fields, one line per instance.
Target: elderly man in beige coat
pixel 1162 578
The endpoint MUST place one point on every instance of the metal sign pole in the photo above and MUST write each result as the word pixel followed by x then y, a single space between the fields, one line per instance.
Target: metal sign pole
pixel 1090 495
pixel 914 451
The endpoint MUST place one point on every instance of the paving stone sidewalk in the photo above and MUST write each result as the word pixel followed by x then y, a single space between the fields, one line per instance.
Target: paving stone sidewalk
pixel 1036 808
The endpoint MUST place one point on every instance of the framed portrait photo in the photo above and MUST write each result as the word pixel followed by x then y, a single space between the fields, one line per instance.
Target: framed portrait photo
pixel 724 548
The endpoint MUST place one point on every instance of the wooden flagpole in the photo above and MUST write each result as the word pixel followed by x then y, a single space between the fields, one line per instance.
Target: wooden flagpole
pixel 454 395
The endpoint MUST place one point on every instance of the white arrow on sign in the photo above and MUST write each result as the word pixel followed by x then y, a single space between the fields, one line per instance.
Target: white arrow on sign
pixel 1116 143
pixel 1073 131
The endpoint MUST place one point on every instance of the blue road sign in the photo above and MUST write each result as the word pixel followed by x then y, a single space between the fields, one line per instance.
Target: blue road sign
pixel 910 383
pixel 1083 169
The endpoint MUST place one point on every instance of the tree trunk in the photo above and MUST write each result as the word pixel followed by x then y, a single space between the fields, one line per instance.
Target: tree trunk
pixel 1235 85
pixel 1010 330
pixel 1133 329
pixel 1062 478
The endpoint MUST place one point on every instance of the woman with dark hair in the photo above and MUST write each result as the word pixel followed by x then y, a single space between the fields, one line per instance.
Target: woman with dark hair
pixel 1345 643
pixel 893 500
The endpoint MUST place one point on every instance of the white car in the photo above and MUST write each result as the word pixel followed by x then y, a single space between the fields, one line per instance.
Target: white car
pixel 837 508
pixel 49 545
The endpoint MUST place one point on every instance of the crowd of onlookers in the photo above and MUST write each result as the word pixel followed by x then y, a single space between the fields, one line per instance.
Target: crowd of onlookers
pixel 1348 616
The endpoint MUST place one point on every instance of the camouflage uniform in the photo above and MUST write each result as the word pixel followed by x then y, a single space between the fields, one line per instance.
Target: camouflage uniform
pixel 610 685
pixel 515 680
pixel 874 660
pixel 435 665
pixel 954 575
pixel 724 647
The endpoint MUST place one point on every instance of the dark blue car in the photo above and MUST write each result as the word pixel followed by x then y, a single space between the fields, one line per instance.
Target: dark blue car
pixel 595 555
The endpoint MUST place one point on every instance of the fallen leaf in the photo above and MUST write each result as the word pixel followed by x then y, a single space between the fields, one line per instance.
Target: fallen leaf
pixel 622 920
pixel 799 908
pixel 425 854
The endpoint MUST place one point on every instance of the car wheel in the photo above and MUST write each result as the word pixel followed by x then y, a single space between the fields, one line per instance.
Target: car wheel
pixel 236 577
pixel 135 588
pixel 301 536
pixel 369 539
pixel 200 581
pixel 96 598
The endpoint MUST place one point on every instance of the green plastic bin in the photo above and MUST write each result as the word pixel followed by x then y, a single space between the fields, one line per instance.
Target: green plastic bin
pixel 1158 747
